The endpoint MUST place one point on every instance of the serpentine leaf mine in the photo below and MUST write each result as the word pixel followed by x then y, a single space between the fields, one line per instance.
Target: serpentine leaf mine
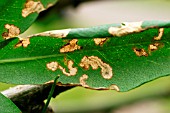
pixel 53 66
pixel 161 31
pixel 95 62
pixel 83 79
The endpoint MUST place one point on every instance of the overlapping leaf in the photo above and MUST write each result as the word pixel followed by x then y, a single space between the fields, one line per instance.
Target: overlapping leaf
pixel 7 106
pixel 12 18
pixel 133 59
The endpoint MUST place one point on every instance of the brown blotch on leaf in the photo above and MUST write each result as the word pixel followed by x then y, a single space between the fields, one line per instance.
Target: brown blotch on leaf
pixel 161 32
pixel 70 47
pixel 126 28
pixel 140 52
pixel 83 79
pixel 95 62
pixel 155 46
pixel 13 31
pixel 99 41
pixel 23 42
pixel 31 7
pixel 53 66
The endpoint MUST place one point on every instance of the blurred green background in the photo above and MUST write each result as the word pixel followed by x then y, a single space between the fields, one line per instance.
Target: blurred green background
pixel 152 97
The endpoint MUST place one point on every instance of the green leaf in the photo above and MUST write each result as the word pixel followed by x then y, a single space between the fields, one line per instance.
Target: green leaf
pixel 7 106
pixel 128 55
pixel 17 15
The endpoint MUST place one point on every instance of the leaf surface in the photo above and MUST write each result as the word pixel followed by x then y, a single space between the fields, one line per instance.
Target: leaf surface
pixel 7 106
pixel 17 15
pixel 117 62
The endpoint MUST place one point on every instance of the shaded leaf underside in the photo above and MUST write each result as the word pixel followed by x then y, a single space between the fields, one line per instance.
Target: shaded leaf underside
pixel 28 65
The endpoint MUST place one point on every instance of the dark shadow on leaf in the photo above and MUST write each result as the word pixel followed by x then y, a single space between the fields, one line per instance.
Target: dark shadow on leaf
pixel 5 42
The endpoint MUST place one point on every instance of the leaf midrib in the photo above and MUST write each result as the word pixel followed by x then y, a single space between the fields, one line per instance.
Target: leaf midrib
pixel 62 54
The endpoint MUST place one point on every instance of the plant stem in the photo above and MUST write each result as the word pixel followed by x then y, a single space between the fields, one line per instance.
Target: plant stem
pixel 50 95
